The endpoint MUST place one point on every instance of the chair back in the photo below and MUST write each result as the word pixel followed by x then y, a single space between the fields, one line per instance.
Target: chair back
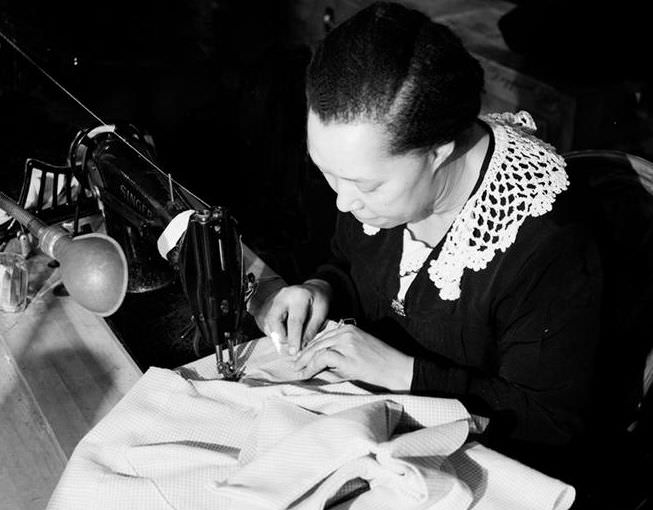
pixel 618 190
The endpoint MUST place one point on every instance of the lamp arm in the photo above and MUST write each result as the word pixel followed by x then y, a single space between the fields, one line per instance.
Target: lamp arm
pixel 48 236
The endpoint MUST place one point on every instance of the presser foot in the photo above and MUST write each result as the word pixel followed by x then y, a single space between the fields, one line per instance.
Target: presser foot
pixel 229 372
pixel 227 363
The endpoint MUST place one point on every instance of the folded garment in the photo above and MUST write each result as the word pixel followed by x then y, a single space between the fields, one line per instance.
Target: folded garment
pixel 296 458
pixel 170 441
pixel 410 471
pixel 500 482
pixel 304 456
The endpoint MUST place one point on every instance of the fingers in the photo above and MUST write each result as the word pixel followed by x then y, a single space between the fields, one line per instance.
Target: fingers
pixel 275 328
pixel 294 314
pixel 331 335
pixel 317 317
pixel 285 318
pixel 331 340
pixel 322 359
pixel 310 352
pixel 295 324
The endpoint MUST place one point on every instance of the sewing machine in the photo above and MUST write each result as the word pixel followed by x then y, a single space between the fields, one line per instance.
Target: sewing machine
pixel 114 168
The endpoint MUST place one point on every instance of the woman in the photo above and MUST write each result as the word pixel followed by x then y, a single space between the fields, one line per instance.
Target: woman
pixel 455 249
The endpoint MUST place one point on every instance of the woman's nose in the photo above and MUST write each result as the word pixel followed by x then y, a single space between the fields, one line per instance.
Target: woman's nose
pixel 347 201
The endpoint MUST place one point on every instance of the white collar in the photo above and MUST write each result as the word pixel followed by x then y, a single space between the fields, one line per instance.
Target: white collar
pixel 523 179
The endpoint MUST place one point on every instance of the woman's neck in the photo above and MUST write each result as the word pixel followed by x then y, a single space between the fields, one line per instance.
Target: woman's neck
pixel 456 178
pixel 454 182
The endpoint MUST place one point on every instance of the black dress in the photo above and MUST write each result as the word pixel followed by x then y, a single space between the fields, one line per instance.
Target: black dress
pixel 518 343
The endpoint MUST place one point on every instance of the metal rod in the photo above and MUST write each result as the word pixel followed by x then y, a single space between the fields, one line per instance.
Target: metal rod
pixel 25 218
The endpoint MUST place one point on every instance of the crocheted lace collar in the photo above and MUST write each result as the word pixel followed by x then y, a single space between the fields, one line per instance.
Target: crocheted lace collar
pixel 523 179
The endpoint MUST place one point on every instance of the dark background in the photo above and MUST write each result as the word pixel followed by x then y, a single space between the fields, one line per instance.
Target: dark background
pixel 219 86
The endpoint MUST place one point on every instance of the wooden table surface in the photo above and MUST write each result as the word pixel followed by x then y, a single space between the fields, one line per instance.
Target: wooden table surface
pixel 61 370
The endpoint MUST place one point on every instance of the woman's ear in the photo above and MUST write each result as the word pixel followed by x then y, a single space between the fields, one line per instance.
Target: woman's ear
pixel 441 153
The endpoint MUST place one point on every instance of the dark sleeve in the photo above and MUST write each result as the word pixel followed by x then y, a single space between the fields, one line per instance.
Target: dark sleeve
pixel 546 316
pixel 336 271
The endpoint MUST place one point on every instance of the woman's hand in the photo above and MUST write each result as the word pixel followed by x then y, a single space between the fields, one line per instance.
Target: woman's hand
pixel 294 314
pixel 351 353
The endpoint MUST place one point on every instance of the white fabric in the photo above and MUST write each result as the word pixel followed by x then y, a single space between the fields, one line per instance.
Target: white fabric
pixel 370 230
pixel 499 482
pixel 351 444
pixel 200 443
pixel 173 232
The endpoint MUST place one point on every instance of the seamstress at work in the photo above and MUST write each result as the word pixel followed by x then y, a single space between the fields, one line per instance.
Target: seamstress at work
pixel 454 248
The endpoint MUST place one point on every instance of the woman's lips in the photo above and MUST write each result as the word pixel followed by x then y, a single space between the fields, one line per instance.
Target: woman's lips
pixel 363 220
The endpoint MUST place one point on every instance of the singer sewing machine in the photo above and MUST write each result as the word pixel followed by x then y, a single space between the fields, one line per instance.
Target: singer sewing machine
pixel 114 169
pixel 111 171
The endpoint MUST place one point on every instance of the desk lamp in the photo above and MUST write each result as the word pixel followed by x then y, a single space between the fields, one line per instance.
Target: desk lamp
pixel 93 266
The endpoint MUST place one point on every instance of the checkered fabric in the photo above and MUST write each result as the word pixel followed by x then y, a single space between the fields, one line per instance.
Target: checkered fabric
pixel 181 440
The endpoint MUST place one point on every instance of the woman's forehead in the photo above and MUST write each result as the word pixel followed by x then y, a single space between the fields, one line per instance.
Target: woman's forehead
pixel 338 146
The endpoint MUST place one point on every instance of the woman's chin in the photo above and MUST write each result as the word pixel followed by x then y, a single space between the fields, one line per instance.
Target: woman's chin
pixel 379 223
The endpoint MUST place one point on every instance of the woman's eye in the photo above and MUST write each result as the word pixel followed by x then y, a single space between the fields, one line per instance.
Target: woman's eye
pixel 368 188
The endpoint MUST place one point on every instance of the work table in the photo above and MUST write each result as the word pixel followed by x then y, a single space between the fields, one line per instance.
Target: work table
pixel 61 370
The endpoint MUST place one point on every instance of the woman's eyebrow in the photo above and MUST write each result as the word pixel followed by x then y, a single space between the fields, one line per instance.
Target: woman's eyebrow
pixel 327 171
pixel 360 180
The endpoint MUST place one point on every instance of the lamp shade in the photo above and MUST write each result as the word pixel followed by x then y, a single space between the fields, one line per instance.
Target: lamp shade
pixel 93 270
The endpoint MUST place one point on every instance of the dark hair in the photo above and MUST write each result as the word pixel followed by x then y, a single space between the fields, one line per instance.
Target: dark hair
pixel 393 65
